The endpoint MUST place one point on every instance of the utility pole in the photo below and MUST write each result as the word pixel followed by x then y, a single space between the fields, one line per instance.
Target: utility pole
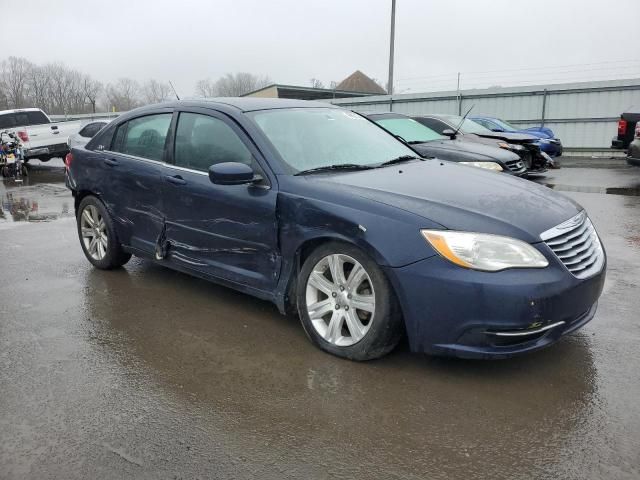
pixel 459 97
pixel 393 31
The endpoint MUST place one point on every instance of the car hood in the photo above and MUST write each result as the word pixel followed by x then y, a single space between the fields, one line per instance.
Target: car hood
pixel 459 197
pixel 510 136
pixel 471 151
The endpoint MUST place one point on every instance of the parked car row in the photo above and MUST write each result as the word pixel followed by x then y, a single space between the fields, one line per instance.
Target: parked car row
pixel 323 212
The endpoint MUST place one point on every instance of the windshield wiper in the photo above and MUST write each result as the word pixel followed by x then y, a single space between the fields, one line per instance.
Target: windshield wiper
pixel 400 159
pixel 340 166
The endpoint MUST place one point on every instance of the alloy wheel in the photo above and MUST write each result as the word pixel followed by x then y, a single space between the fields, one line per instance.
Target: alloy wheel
pixel 94 232
pixel 340 300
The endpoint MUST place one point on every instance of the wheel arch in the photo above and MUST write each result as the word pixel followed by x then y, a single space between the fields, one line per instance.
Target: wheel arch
pixel 302 252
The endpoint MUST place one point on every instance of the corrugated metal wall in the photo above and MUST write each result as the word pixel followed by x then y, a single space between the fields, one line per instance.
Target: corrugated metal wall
pixel 583 115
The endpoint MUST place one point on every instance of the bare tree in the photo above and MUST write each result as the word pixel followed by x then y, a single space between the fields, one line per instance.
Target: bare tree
pixel 123 95
pixel 333 85
pixel 206 88
pixel 60 88
pixel 155 92
pixel 235 85
pixel 315 83
pixel 38 83
pixel 91 89
pixel 14 73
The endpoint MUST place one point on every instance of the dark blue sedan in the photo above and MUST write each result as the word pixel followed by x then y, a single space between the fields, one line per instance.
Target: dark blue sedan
pixel 322 212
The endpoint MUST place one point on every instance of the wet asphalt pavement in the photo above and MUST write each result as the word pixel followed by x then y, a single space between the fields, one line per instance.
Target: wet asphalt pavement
pixel 148 373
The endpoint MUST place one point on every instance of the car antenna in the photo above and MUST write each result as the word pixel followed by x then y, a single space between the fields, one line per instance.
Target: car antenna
pixel 174 90
pixel 462 121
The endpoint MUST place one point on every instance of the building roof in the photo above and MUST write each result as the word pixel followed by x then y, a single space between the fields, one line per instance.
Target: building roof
pixel 307 93
pixel 359 82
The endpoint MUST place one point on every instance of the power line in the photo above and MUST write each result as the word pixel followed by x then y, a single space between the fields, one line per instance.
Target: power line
pixel 522 69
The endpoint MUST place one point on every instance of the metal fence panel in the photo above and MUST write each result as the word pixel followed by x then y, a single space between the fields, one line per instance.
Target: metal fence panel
pixel 583 115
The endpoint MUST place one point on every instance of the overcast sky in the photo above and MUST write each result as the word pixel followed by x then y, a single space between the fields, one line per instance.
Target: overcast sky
pixel 492 42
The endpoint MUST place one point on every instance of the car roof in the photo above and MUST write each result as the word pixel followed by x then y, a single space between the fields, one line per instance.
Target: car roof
pixel 18 110
pixel 374 115
pixel 248 104
pixel 441 116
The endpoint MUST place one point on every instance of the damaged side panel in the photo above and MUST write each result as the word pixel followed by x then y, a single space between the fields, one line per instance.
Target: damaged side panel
pixel 224 231
pixel 305 220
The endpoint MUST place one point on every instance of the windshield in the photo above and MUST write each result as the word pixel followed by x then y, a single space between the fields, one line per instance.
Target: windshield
pixel 410 130
pixel 309 138
pixel 504 125
pixel 468 126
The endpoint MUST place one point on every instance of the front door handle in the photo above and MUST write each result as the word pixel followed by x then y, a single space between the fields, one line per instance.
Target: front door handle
pixel 175 179
pixel 112 162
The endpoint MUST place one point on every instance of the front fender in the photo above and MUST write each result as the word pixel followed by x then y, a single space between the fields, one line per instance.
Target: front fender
pixel 390 236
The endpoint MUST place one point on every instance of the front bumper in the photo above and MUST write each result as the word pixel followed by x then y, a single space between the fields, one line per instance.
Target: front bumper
pixel 454 311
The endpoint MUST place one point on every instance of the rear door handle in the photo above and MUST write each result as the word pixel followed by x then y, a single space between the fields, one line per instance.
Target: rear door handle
pixel 175 179
pixel 112 162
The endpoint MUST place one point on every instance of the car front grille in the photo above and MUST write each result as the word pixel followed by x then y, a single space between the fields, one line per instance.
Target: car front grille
pixel 576 244
pixel 514 165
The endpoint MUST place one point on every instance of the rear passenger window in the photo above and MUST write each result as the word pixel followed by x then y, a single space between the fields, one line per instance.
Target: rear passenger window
pixel 202 141
pixel 144 137
pixel 37 118
pixel 90 130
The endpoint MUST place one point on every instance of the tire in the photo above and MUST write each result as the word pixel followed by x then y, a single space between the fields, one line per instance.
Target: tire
pixel 342 322
pixel 95 223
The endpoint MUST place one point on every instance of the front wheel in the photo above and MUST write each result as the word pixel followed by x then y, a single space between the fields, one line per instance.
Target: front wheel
pixel 346 304
pixel 98 236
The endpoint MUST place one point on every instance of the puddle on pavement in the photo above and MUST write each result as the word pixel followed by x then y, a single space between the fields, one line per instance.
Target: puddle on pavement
pixel 41 197
pixel 629 191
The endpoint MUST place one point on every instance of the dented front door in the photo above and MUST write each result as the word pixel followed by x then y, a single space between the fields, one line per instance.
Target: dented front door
pixel 227 231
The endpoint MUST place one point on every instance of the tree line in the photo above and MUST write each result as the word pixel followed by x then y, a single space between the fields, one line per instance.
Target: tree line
pixel 58 89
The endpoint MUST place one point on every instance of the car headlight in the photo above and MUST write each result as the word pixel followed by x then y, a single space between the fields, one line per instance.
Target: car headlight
pixel 482 251
pixel 544 140
pixel 510 146
pixel 488 165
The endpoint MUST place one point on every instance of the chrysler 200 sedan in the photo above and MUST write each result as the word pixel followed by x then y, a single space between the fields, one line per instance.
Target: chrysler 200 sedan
pixel 320 211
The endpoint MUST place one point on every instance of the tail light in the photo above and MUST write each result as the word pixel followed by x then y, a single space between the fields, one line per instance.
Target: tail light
pixel 622 127
pixel 23 135
pixel 68 159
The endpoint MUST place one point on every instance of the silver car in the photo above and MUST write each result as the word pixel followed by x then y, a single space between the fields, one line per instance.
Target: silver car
pixel 86 133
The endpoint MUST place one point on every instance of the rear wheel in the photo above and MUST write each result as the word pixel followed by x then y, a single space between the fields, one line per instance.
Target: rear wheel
pixel 98 236
pixel 346 304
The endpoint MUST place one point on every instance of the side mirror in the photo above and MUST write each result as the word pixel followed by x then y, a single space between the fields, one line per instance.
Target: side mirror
pixel 449 133
pixel 231 173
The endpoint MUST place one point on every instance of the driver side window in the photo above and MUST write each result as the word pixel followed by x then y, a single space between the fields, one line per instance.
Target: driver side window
pixel 202 141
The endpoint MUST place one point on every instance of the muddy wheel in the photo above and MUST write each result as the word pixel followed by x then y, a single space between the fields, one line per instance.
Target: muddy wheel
pixel 98 236
pixel 346 304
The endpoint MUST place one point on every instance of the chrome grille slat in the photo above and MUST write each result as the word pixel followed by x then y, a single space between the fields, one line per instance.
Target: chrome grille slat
pixel 568 236
pixel 576 244
pixel 582 266
pixel 573 252
pixel 582 239
pixel 580 258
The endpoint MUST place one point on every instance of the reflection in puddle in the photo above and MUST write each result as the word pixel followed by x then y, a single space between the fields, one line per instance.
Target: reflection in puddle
pixel 42 197
pixel 630 191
